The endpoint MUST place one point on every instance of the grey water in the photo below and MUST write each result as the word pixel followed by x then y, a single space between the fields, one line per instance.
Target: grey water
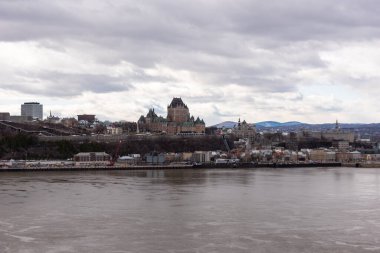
pixel 219 210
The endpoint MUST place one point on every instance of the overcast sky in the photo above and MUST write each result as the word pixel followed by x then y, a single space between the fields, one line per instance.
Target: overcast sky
pixel 283 60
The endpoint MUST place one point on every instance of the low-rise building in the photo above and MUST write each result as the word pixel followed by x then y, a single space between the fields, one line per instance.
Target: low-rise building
pixel 129 160
pixel 69 122
pixel 92 158
pixel 5 116
pixel 354 156
pixel 155 158
pixel 90 118
pixel 322 155
pixel 20 119
pixel 341 145
pixel 201 157
pixel 186 156
pixel 114 130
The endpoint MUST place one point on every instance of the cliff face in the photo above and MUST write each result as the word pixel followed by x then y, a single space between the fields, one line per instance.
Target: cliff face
pixel 21 146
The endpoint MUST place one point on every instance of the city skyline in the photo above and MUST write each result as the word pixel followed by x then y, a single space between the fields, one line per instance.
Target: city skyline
pixel 48 113
pixel 282 61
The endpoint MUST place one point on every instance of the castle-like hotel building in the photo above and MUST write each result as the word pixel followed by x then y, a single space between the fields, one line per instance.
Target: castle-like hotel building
pixel 177 122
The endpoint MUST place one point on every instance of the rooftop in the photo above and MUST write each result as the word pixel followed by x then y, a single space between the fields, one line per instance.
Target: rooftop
pixel 177 102
pixel 31 103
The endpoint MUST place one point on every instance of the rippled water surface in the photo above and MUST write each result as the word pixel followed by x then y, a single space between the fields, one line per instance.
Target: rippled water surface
pixel 272 210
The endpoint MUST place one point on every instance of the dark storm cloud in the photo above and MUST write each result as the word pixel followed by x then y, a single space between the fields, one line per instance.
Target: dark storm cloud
pixel 257 44
pixel 190 24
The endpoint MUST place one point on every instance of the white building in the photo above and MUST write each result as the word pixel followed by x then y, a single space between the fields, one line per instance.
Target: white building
pixel 114 130
pixel 32 109
pixel 201 156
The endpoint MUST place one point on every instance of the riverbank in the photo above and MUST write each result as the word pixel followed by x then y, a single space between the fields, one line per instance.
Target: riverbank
pixel 170 167
pixel 362 165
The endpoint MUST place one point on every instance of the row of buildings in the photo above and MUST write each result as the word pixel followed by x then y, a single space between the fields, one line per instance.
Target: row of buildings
pixel 33 111
pixel 29 111
pixel 221 157
pixel 177 122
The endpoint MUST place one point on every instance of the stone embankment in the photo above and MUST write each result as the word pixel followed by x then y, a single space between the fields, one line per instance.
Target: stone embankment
pixel 362 165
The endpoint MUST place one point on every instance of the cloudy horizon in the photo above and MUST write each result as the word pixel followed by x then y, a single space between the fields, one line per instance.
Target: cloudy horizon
pixel 287 60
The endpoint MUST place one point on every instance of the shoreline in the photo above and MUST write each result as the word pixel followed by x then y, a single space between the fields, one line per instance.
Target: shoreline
pixel 177 167
pixel 201 166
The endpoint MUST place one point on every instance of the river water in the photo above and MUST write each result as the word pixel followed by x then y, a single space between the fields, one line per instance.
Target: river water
pixel 219 210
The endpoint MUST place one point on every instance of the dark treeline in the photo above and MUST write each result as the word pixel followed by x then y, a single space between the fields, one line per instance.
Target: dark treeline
pixel 22 146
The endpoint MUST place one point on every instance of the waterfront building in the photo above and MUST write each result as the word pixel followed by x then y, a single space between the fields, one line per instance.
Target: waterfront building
pixel 177 122
pixel 322 155
pixel 127 160
pixel 187 156
pixel 155 158
pixel 91 158
pixel 201 157
pixel 32 109
pixel 354 156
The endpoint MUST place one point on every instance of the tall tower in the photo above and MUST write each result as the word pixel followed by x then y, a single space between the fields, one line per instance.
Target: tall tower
pixel 32 109
pixel 177 111
pixel 337 127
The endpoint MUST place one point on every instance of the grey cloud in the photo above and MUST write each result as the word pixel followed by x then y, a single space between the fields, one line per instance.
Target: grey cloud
pixel 211 97
pixel 219 113
pixel 187 23
pixel 329 108
pixel 258 44
pixel 63 84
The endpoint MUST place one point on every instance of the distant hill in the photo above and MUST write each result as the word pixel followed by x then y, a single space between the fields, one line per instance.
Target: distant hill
pixel 371 130
pixel 263 124
pixel 275 124
pixel 225 124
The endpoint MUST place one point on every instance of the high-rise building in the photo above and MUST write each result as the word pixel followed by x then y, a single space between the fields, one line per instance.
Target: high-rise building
pixel 32 109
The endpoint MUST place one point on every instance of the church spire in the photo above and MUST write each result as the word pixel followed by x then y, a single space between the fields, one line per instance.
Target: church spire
pixel 337 125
